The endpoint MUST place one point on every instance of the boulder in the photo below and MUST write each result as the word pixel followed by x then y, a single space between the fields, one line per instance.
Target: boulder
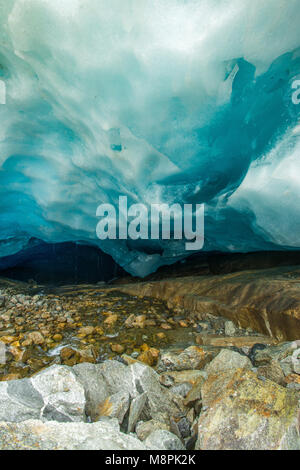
pixel 145 428
pixel 243 412
pixel 19 401
pixel 38 435
pixel 228 360
pixel 163 440
pixel 272 371
pixel 136 409
pixel 115 406
pixel 96 389
pixel 63 394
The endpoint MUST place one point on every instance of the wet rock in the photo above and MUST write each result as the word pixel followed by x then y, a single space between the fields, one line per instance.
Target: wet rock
pixel 246 413
pixel 96 389
pixel 63 394
pixel 115 406
pixel 2 301
pixel 191 358
pixel 35 338
pixel 136 409
pixel 117 348
pixel 228 360
pixel 86 331
pixel 37 435
pixel 163 440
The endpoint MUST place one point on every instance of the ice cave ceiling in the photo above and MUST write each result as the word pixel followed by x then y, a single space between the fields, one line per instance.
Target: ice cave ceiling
pixel 170 101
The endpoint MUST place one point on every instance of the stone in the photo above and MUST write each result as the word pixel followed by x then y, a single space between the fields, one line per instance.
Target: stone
pixel 19 401
pixel 96 389
pixel 233 341
pixel 280 353
pixel 243 412
pixel 111 320
pixel 2 301
pixel 117 348
pixel 163 440
pixel 38 435
pixel 228 360
pixel 145 428
pixel 181 389
pixel 194 394
pixel 191 358
pixel 272 371
pixel 86 331
pixel 115 406
pixel 230 328
pixel 136 409
pixel 160 400
pixel 178 377
pixel 36 338
pixel 63 394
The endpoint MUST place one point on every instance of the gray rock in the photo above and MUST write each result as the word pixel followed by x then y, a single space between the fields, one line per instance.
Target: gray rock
pixel 118 377
pixel 163 440
pixel 115 406
pixel 160 400
pixel 145 428
pixel 96 389
pixel 181 389
pixel 230 328
pixel 19 401
pixel 228 360
pixel 63 394
pixel 38 435
pixel 280 353
pixel 136 409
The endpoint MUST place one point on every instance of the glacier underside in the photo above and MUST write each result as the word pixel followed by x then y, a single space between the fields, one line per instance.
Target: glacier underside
pixel 167 101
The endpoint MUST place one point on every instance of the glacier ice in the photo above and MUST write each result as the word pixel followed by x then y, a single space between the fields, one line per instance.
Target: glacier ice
pixel 161 101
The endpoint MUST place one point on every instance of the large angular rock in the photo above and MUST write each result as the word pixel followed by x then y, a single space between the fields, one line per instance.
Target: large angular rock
pixel 96 389
pixel 38 435
pixel 228 360
pixel 19 401
pixel 163 440
pixel 246 413
pixel 136 409
pixel 191 358
pixel 115 406
pixel 63 395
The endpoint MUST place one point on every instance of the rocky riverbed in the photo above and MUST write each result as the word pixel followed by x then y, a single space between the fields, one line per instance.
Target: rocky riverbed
pixel 95 367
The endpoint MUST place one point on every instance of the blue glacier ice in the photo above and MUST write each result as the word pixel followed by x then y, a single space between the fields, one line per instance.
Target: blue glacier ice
pixel 187 101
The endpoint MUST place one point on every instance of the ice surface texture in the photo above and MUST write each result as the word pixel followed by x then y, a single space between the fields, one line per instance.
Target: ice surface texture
pixel 159 100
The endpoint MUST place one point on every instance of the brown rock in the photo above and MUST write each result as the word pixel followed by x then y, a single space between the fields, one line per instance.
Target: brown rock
pixel 117 348
pixel 36 338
